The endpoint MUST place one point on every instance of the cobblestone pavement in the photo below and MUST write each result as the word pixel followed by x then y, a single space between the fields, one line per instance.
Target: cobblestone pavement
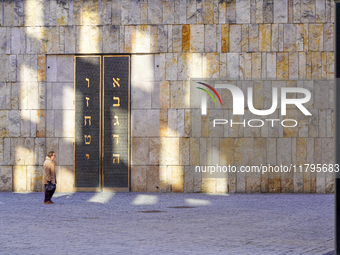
pixel 166 223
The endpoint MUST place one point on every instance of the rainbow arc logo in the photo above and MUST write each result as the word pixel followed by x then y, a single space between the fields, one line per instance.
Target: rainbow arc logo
pixel 204 98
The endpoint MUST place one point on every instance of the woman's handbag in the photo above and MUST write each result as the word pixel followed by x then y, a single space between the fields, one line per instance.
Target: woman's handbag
pixel 50 186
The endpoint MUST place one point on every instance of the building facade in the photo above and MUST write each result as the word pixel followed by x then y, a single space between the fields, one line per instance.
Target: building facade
pixel 248 43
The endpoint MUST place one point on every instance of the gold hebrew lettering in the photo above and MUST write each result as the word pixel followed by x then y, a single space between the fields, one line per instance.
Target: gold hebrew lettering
pixel 87 101
pixel 88 118
pixel 116 81
pixel 117 137
pixel 114 158
pixel 87 139
pixel 87 156
pixel 116 98
pixel 88 82
pixel 117 122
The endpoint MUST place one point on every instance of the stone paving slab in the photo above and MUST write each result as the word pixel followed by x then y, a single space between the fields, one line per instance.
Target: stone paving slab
pixel 166 223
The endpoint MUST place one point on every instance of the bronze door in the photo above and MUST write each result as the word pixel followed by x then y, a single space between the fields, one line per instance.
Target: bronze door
pixel 102 123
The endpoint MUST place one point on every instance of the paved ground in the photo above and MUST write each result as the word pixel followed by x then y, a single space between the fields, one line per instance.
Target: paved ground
pixel 128 223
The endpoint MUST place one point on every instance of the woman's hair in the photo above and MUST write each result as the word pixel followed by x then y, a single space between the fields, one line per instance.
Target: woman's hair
pixel 50 154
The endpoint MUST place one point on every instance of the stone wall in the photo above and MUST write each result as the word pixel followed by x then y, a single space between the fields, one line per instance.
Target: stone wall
pixel 263 43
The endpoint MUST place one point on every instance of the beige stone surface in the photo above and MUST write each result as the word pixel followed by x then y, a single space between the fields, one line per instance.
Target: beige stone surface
pixel 19 178
pixel 138 178
pixel 6 179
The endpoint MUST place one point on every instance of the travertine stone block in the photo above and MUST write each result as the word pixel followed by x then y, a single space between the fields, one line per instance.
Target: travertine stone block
pixel 168 12
pixel 143 39
pixel 25 123
pixel 70 39
pixel 216 131
pixel 316 65
pixel 242 11
pixel 7 151
pixel 111 39
pixel 188 179
pixel 6 180
pixel 5 96
pixel 134 12
pixel 14 123
pixel 271 66
pixel 154 12
pixel 194 151
pixel 39 151
pixel 29 154
pixel 330 123
pixel 34 178
pixel 66 151
pixel 210 65
pixel 313 124
pixel 289 41
pixel 330 65
pixel 172 123
pixel 162 38
pixel 235 38
pixel 177 178
pixel 328 37
pixel 321 95
pixel 65 66
pixel 210 38
pixel 264 37
pixel 275 37
pixel 15 96
pixel 282 71
pixel 169 38
pixel 197 38
pixel 329 14
pixel 140 120
pixel 89 39
pixel 177 95
pixel 64 123
pixel 180 122
pixel 253 37
pixel 171 66
pixel 223 65
pixel 19 178
pixel 139 151
pixel 66 178
pixel 293 66
pixel 152 179
pixel 169 151
pixel 208 12
pixel 271 151
pixel 63 96
pixel 302 66
pixel 281 35
pixel 225 37
pixel 323 65
pixel 138 178
pixel 1 151
pixel 291 131
pixel 222 11
pixel 185 66
pixel 307 11
pixel 233 65
pixel 296 11
pixel 280 11
pixel 256 66
pixel 303 125
pixel 154 151
pixel 4 69
pixel 315 37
